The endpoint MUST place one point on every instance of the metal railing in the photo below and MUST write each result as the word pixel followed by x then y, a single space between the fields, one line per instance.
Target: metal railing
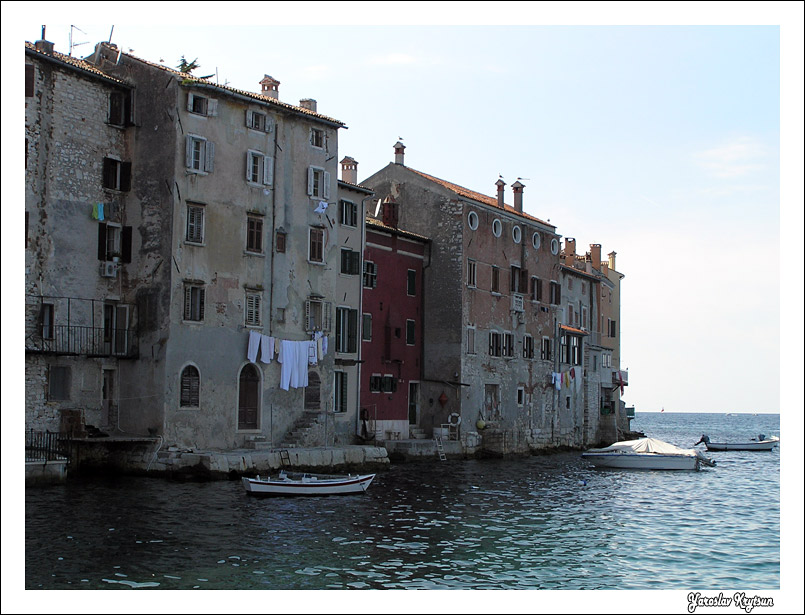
pixel 81 340
pixel 46 446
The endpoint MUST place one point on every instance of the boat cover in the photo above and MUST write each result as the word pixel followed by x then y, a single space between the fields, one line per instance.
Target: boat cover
pixel 646 445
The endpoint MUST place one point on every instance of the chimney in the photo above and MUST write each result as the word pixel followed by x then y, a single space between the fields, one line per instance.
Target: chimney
pixel 612 260
pixel 270 87
pixel 399 153
pixel 43 45
pixel 500 183
pixel 517 188
pixel 309 104
pixel 595 252
pixel 570 251
pixel 605 268
pixel 390 213
pixel 349 170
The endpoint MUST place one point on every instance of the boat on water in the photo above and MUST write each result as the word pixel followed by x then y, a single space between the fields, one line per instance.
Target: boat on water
pixel 761 443
pixel 307 484
pixel 647 454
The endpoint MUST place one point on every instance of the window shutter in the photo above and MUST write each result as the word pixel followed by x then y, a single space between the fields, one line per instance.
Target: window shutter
pixel 352 331
pixel 188 152
pixel 249 156
pixel 102 241
pixel 212 106
pixel 268 170
pixel 125 244
pixel 310 181
pixel 249 118
pixel 189 101
pixel 326 185
pixel 209 156
pixel 201 304
pixel 308 324
pixel 125 176
pixel 326 316
pixel 187 303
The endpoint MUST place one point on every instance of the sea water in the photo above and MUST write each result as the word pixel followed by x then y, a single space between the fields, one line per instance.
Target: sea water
pixel 540 522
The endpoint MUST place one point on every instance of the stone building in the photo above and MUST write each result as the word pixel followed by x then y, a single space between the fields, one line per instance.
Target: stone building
pixel 226 204
pixel 82 257
pixel 492 300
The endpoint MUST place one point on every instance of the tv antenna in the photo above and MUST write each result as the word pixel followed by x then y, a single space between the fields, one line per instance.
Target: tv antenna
pixel 72 44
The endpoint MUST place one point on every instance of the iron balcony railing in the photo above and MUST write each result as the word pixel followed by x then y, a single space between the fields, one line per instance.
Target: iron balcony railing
pixel 46 446
pixel 85 341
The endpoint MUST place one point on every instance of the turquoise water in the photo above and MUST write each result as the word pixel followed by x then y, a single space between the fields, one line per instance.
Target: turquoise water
pixel 544 522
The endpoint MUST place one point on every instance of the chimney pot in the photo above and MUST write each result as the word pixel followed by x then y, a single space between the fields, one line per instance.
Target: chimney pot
pixel 270 87
pixel 517 188
pixel 500 184
pixel 399 153
pixel 349 170
pixel 44 46
pixel 308 103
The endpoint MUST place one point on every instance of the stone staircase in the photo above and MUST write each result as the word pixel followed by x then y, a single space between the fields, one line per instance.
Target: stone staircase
pixel 307 431
pixel 416 433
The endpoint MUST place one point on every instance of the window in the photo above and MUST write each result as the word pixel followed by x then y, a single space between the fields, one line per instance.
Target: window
pixel 411 283
pixel 253 312
pixel 471 273
pixel 388 384
pixel 520 396
pixel 120 108
pixel 116 175
pixel 279 244
pixel 556 293
pixel 195 223
pixel 497 227
pixel 201 105
pixel 340 400
pixel 259 168
pixel 59 377
pixel 492 399
pixel 517 234
pixel 575 350
pixel 350 262
pixel 348 212
pixel 258 121
pixel 495 344
pixel 30 76
pixel 583 288
pixel 518 281
pixel 472 220
pixel 583 323
pixel 564 355
pixel 535 241
pixel 199 154
pixel 570 283
pixel 366 329
pixel 536 289
pixel 46 321
pixel 570 315
pixel 254 233
pixel 193 302
pixel 611 328
pixel 369 274
pixel 317 137
pixel 554 246
pixel 508 345
pixel 318 183
pixel 317 315
pixel 346 330
pixel 375 383
pixel 189 388
pixel 316 245
pixel 114 241
pixel 528 347
pixel 410 332
pixel 546 352
pixel 470 340
pixel 115 329
pixel 495 279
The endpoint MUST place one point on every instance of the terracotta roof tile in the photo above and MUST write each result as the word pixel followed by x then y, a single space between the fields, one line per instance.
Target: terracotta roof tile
pixel 77 63
pixel 379 225
pixel 574 330
pixel 477 196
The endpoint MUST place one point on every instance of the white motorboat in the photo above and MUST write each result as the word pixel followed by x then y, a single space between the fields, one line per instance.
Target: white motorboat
pixel 647 454
pixel 761 443
pixel 308 484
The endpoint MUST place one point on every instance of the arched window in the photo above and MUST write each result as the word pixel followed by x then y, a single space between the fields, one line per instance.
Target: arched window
pixel 248 397
pixel 189 388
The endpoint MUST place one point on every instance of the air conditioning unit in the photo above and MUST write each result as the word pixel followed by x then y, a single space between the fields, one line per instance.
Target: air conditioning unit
pixel 109 269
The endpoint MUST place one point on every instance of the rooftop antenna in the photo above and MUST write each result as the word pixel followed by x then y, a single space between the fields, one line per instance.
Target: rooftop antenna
pixel 110 34
pixel 72 44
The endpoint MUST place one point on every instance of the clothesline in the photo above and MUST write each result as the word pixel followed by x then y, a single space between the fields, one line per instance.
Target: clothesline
pixel 293 356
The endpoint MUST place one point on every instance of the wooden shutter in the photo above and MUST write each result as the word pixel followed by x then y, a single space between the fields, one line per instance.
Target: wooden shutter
pixel 352 331
pixel 125 176
pixel 190 387
pixel 102 241
pixel 326 185
pixel 188 152
pixel 209 156
pixel 268 170
pixel 125 244
pixel 310 181
pixel 212 106
pixel 189 101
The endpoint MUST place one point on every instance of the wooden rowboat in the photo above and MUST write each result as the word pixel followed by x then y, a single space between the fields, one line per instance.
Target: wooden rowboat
pixel 307 484
pixel 762 443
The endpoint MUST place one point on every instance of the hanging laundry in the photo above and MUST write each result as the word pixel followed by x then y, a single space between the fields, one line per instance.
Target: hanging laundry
pixel 267 346
pixel 312 353
pixel 254 344
pixel 321 208
pixel 320 348
pixel 324 344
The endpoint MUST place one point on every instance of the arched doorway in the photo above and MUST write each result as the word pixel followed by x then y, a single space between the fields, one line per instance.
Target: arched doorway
pixel 248 398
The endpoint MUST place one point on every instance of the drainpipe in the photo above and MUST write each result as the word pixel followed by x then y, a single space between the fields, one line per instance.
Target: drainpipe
pixel 273 232
pixel 360 313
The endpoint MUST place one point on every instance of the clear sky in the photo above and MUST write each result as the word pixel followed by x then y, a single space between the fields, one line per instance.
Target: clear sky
pixel 662 143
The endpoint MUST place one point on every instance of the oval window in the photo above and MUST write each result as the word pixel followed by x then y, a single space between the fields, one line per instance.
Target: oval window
pixel 517 234
pixel 554 246
pixel 535 241
pixel 497 227
pixel 472 220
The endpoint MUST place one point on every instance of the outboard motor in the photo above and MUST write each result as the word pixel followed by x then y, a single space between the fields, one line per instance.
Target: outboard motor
pixel 705 438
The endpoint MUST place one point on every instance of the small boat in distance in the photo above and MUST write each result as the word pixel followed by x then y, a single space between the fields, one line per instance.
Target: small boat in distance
pixel 647 454
pixel 761 443
pixel 307 484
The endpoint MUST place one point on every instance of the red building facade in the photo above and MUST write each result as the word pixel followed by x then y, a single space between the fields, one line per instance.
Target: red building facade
pixel 391 331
